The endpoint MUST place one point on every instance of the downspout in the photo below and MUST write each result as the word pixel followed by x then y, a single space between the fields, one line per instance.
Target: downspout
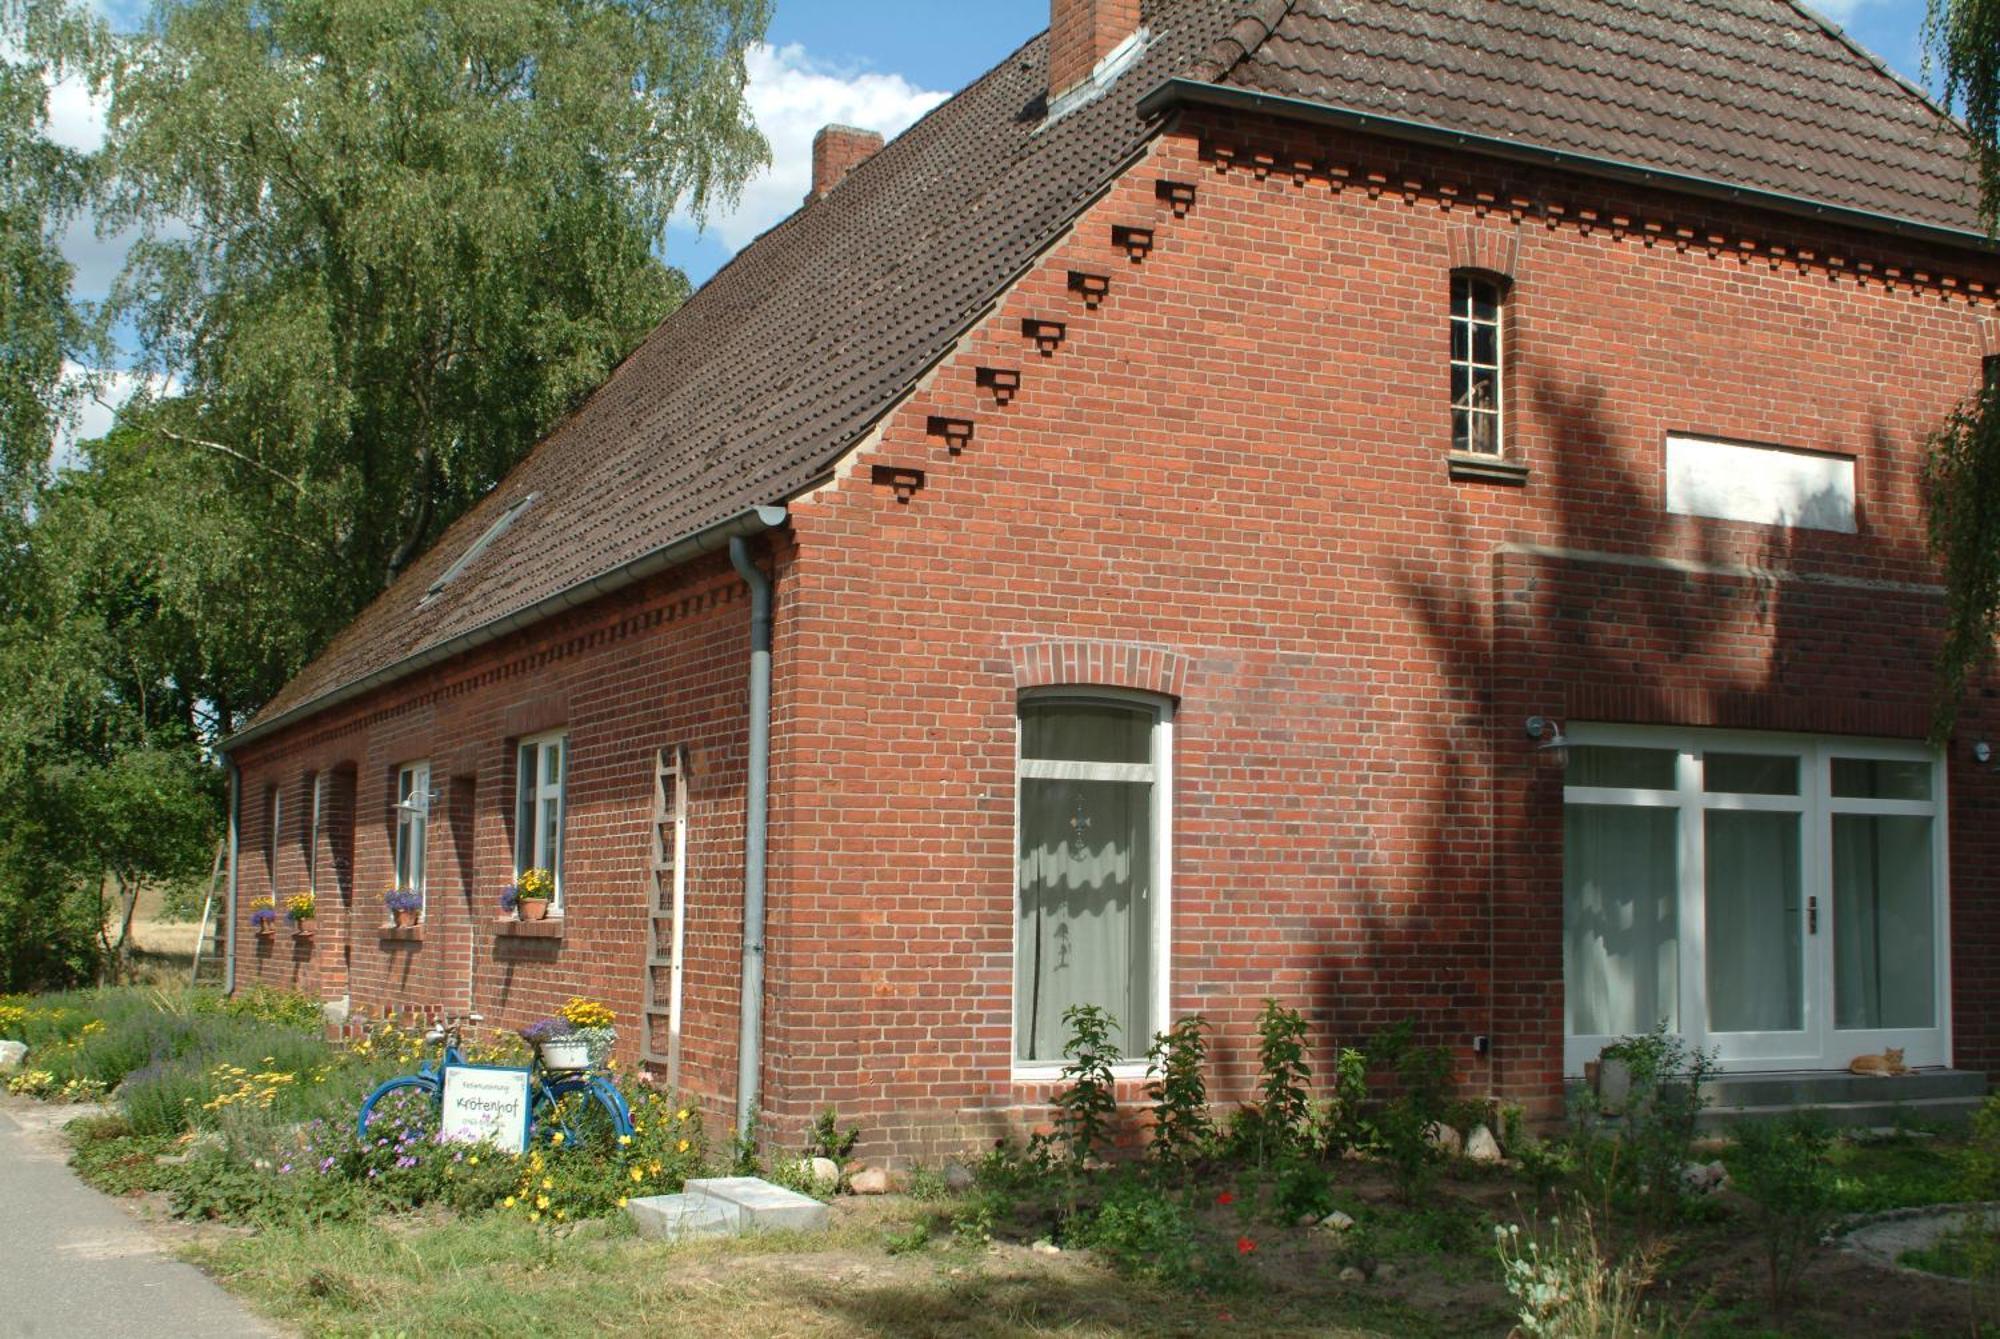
pixel 229 901
pixel 756 827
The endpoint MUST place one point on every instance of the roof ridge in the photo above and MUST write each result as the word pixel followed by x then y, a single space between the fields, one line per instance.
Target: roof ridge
pixel 1259 19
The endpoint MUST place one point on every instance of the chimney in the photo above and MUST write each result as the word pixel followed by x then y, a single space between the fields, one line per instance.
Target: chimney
pixel 1082 33
pixel 837 151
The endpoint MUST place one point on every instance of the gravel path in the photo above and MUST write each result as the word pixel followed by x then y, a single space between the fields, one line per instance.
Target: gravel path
pixel 74 1262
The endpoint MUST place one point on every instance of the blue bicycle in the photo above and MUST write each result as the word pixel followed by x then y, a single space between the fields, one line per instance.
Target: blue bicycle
pixel 584 1106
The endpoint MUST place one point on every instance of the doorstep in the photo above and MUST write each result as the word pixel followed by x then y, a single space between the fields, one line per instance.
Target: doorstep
pixel 1931 1096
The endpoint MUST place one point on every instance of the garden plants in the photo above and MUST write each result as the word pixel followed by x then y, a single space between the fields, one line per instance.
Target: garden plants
pixel 264 916
pixel 299 910
pixel 1182 1129
pixel 405 905
pixel 1781 1165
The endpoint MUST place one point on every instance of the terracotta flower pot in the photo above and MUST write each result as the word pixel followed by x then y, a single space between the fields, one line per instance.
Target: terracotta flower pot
pixel 405 919
pixel 267 932
pixel 303 931
pixel 534 908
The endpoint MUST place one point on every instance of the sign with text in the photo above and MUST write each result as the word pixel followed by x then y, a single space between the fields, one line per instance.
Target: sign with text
pixel 488 1102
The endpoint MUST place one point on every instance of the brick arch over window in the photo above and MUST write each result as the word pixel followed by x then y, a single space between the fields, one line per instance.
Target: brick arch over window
pixel 1139 666
pixel 1484 247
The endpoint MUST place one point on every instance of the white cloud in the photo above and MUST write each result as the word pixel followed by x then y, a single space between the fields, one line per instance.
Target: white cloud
pixel 98 409
pixel 792 96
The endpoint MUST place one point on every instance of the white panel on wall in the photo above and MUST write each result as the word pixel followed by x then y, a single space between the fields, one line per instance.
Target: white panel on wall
pixel 1772 485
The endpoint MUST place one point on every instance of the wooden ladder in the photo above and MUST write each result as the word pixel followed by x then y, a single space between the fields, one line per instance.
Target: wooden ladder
pixel 666 911
pixel 209 945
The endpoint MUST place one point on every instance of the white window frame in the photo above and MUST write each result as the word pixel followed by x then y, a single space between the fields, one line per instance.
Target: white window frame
pixel 317 817
pixel 1816 804
pixel 529 839
pixel 277 838
pixel 413 827
pixel 1498 413
pixel 1161 773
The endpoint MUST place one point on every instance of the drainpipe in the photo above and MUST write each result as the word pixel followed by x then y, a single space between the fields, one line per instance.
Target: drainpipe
pixel 756 827
pixel 229 901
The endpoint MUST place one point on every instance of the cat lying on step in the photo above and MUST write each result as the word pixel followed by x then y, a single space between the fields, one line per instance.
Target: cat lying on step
pixel 1885 1065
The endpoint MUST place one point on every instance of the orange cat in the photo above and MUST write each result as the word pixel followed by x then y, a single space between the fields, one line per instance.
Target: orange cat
pixel 1885 1065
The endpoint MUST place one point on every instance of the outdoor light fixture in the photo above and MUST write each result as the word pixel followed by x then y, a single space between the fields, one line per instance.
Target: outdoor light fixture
pixel 1547 732
pixel 1982 753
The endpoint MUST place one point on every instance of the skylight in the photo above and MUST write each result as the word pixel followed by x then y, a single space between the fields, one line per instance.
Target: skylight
pixel 478 546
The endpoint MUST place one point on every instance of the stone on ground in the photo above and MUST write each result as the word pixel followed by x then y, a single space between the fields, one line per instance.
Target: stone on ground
pixel 761 1206
pixel 957 1176
pixel 824 1173
pixel 12 1053
pixel 1445 1139
pixel 870 1181
pixel 1337 1220
pixel 675 1217
pixel 1481 1146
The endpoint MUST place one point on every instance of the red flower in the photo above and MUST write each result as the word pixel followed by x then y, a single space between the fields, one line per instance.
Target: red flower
pixel 1225 1198
pixel 1244 1245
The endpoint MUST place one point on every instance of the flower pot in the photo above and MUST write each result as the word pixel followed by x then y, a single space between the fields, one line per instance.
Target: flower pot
pixel 566 1053
pixel 302 931
pixel 267 932
pixel 405 919
pixel 534 908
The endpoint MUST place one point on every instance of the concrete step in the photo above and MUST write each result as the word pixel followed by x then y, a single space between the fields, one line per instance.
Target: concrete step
pixel 1924 1111
pixel 1794 1088
pixel 760 1206
pixel 678 1217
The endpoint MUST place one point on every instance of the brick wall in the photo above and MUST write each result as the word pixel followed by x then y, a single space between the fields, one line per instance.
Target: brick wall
pixel 658 666
pixel 1227 450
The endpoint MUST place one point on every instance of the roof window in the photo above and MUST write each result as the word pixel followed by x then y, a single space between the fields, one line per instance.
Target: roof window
pixel 478 546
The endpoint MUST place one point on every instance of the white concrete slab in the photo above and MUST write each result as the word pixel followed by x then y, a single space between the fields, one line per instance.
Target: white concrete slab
pixel 762 1206
pixel 677 1217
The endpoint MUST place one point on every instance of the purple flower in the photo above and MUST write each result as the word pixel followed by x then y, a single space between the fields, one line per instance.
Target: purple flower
pixel 285 1170
pixel 326 1165
pixel 371 1173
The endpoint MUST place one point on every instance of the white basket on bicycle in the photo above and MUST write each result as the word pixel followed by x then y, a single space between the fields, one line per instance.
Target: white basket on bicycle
pixel 565 1054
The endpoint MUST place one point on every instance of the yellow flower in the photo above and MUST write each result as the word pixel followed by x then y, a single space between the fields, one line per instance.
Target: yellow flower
pixel 621 1201
pixel 681 1147
pixel 472 1161
pixel 681 1114
pixel 541 1201
pixel 548 1183
pixel 624 1139
pixel 558 1138
pixel 508 1202
pixel 534 1218
pixel 559 1215
pixel 636 1173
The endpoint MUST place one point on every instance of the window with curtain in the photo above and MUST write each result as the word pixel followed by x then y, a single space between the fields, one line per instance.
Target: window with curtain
pixel 1091 787
pixel 277 835
pixel 413 817
pixel 1476 301
pixel 542 764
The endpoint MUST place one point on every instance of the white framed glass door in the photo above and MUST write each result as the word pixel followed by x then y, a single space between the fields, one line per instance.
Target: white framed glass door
pixel 1780 899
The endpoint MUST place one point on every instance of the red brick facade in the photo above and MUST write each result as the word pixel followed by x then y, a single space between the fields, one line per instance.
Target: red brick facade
pixel 1215 470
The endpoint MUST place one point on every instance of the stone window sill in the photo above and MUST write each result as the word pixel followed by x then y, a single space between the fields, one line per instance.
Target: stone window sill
pixel 552 928
pixel 401 934
pixel 1470 468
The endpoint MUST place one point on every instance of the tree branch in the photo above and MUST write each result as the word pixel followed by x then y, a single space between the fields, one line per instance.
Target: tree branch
pixel 233 454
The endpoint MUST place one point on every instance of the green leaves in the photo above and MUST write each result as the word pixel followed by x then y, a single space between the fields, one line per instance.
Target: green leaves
pixel 1961 483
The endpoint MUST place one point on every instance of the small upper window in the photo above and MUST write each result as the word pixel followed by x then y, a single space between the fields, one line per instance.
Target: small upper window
pixel 1989 371
pixel 479 546
pixel 413 822
pixel 1475 364
pixel 542 765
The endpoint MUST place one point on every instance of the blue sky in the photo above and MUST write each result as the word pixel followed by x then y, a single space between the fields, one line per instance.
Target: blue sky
pixel 875 63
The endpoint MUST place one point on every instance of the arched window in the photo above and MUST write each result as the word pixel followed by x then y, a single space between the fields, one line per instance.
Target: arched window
pixel 1091 924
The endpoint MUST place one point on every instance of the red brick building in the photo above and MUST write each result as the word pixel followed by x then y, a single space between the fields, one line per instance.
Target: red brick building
pixel 1409 507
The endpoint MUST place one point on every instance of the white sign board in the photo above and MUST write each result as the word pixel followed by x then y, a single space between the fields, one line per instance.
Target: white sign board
pixel 1771 485
pixel 486 1102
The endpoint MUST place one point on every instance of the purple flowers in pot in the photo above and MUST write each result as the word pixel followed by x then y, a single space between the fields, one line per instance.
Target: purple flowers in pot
pixel 546 1030
pixel 404 899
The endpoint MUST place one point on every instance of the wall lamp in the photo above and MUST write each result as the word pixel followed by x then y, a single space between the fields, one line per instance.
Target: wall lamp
pixel 1982 753
pixel 1547 734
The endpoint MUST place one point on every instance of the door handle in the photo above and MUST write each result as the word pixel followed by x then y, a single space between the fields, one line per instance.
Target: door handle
pixel 1812 915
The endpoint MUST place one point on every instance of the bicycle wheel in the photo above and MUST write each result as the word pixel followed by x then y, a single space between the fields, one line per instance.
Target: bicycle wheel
pixel 587 1111
pixel 431 1088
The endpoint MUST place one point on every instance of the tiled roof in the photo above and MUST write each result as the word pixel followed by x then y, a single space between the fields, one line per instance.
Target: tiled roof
pixel 781 361
pixel 1755 93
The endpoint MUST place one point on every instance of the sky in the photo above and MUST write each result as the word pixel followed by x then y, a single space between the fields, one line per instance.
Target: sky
pixel 879 64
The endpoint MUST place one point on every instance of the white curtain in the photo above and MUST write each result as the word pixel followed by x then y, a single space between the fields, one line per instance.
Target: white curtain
pixel 1085 914
pixel 1755 950
pixel 1884 944
pixel 1621 918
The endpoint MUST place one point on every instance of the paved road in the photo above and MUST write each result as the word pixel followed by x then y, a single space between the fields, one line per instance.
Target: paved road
pixel 74 1262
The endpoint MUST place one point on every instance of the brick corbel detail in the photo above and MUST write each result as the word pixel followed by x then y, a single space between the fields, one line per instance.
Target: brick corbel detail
pixel 1139 666
pixel 1477 247
pixel 1989 337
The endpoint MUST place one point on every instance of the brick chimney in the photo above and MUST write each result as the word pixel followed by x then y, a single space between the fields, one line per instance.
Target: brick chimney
pixel 837 151
pixel 1082 33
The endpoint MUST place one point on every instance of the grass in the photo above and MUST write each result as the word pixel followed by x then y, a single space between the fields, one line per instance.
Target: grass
pixel 495 1274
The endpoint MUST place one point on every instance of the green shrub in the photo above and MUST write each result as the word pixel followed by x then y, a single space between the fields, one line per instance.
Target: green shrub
pixel 1301 1189
pixel 1182 1130
pixel 1147 1233
pixel 1639 1165
pixel 1284 1082
pixel 1781 1165
pixel 1343 1122
pixel 1406 1124
pixel 1087 1104
pixel 828 1140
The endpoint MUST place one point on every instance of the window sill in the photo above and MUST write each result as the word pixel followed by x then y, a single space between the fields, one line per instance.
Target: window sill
pixel 401 934
pixel 552 928
pixel 1468 467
